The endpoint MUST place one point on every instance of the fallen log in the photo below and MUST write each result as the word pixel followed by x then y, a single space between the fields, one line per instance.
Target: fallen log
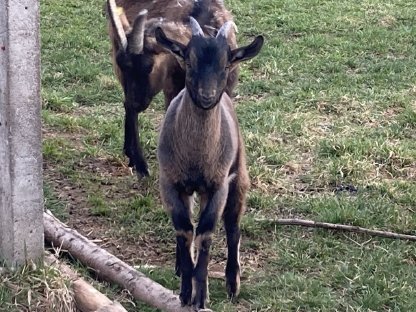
pixel 87 298
pixel 109 267
pixel 339 227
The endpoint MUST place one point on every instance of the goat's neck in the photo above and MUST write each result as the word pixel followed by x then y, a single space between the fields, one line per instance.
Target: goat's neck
pixel 203 124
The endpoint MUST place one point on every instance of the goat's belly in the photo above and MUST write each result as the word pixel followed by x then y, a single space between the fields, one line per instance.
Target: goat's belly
pixel 196 181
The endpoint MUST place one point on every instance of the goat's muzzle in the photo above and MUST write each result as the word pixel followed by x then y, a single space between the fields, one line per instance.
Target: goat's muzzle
pixel 207 98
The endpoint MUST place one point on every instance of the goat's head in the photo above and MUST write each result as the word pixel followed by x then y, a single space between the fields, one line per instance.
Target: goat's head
pixel 208 61
pixel 134 63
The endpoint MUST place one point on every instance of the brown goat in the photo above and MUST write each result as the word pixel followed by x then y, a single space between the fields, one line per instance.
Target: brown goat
pixel 143 67
pixel 201 150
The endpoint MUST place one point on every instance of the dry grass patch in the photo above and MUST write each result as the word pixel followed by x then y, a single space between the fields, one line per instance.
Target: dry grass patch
pixel 35 288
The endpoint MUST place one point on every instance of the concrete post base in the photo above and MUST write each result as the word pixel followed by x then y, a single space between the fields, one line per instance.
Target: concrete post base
pixel 21 198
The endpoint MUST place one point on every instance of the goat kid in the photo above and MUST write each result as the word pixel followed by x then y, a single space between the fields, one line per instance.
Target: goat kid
pixel 143 67
pixel 201 150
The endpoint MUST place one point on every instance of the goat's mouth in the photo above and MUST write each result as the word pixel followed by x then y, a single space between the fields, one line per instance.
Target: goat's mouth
pixel 207 103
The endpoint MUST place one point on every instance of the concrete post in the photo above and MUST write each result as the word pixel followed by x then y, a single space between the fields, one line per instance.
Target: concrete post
pixel 21 197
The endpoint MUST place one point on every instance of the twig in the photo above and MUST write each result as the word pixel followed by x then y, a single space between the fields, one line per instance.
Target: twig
pixel 339 227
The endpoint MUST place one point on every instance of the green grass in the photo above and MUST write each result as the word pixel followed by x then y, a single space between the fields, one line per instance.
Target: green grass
pixel 328 114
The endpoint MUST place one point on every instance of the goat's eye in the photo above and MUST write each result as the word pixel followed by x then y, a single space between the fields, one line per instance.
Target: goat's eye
pixel 188 64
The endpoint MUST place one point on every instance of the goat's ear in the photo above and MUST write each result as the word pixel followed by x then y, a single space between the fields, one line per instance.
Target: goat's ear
pixel 175 47
pixel 245 53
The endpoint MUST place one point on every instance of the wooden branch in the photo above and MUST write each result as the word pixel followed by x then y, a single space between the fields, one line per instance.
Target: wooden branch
pixel 110 267
pixel 87 298
pixel 339 227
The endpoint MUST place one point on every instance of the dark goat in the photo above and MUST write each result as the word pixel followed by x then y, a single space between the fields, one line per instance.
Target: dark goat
pixel 201 150
pixel 143 67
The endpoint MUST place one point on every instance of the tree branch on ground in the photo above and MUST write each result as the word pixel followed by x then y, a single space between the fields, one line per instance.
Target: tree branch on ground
pixel 109 267
pixel 339 227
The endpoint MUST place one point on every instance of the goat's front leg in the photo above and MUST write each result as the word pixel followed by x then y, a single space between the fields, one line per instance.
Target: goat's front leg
pixel 132 147
pixel 179 206
pixel 188 202
pixel 173 86
pixel 211 211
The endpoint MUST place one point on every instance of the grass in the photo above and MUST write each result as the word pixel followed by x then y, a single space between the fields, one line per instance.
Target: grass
pixel 328 114
pixel 34 288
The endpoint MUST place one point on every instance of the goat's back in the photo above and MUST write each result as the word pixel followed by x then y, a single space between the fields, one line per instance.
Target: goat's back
pixel 205 11
pixel 173 10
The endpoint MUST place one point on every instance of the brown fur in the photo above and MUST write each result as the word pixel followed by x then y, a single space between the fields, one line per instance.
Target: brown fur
pixel 172 10
pixel 205 148
pixel 175 15
pixel 167 73
pixel 212 133
pixel 208 140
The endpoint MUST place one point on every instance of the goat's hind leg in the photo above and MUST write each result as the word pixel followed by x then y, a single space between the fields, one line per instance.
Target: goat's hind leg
pixel 178 264
pixel 232 213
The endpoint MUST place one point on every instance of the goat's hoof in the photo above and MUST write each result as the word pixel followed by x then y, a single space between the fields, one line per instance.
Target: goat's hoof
pixel 233 290
pixel 185 297
pixel 200 297
pixel 131 171
pixel 185 301
pixel 142 173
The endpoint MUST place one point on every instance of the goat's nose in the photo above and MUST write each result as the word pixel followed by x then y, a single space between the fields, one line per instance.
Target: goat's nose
pixel 207 94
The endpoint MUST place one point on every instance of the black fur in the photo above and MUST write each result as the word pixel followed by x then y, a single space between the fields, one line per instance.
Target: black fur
pixel 186 269
pixel 138 95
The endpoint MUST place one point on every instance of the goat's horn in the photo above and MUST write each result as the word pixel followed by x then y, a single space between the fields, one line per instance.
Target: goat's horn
pixel 116 22
pixel 196 29
pixel 137 34
pixel 225 29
